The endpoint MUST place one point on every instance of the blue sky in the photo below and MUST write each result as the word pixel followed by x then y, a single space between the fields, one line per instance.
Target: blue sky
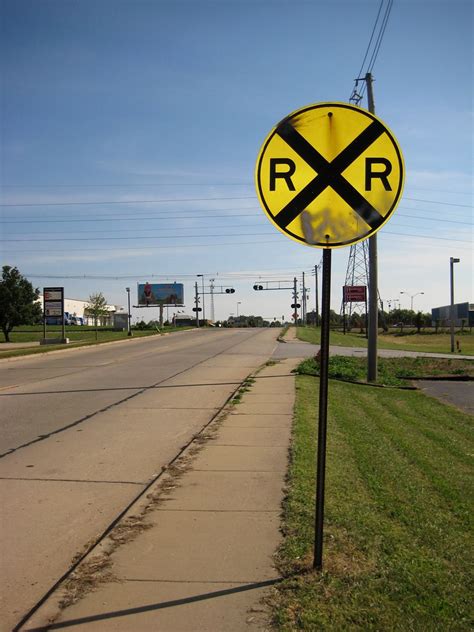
pixel 153 112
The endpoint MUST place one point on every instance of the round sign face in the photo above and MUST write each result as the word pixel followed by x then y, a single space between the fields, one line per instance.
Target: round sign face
pixel 329 175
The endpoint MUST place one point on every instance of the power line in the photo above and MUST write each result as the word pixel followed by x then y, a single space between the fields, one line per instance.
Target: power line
pixel 127 184
pixel 357 97
pixel 134 238
pixel 168 201
pixel 435 202
pixel 183 184
pixel 230 226
pixel 230 275
pixel 206 199
pixel 378 43
pixel 359 74
pixel 113 216
pixel 213 244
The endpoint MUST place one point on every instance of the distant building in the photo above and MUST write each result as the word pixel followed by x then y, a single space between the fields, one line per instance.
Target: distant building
pixel 463 315
pixel 74 312
pixel 183 320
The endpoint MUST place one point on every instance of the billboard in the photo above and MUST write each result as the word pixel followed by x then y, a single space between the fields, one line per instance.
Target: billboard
pixel 150 294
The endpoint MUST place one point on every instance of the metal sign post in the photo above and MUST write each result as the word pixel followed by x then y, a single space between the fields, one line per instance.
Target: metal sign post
pixel 323 410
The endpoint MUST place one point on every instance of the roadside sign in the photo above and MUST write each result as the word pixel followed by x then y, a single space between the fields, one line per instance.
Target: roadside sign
pixel 354 293
pixel 53 301
pixel 329 175
pixel 53 308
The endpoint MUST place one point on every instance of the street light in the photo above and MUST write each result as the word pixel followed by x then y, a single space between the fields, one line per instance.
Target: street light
pixel 412 296
pixel 203 307
pixel 129 323
pixel 238 303
pixel 452 261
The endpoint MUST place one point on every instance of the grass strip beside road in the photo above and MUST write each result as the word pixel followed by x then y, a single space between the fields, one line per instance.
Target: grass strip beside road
pixel 399 495
pixel 82 338
pixel 391 371
pixel 424 342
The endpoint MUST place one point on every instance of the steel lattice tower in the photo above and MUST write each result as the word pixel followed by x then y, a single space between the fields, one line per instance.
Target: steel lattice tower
pixel 357 274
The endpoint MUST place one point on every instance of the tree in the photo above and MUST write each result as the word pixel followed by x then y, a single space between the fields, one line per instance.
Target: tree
pixel 17 301
pixel 96 308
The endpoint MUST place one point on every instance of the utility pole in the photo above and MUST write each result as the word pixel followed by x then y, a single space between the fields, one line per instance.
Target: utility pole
pixel 452 261
pixel 316 293
pixel 373 283
pixel 129 317
pixel 295 300
pixel 203 306
pixel 212 299
pixel 303 303
pixel 196 303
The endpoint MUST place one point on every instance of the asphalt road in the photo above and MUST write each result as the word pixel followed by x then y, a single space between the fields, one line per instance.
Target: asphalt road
pixel 84 432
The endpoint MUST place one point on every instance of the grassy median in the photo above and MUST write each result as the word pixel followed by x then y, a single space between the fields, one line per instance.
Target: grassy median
pixel 398 544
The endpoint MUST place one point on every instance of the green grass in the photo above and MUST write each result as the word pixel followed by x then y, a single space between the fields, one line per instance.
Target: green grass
pixel 428 342
pixel 391 371
pixel 399 495
pixel 79 336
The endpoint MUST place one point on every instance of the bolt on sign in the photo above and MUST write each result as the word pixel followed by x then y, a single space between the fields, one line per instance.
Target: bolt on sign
pixel 329 175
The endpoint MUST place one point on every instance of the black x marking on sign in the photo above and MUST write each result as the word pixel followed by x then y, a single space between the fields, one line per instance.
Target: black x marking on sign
pixel 329 174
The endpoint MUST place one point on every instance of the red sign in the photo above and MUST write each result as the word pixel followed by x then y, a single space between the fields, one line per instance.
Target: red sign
pixel 354 293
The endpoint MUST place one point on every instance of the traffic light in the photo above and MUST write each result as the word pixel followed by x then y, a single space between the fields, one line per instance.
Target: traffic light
pixel 197 309
pixel 295 305
pixel 229 290
pixel 258 287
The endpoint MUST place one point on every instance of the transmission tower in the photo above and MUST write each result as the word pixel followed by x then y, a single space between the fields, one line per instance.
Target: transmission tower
pixel 357 273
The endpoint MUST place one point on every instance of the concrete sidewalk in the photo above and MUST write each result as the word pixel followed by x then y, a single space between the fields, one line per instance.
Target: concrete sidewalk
pixel 197 553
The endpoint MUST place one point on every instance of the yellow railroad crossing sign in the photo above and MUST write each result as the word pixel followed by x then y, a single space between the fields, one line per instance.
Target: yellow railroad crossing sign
pixel 329 175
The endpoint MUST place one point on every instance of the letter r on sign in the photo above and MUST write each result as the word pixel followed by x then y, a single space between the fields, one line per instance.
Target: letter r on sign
pixel 383 175
pixel 286 175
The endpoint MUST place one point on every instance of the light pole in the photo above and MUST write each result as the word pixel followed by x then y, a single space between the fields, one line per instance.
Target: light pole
pixel 452 261
pixel 203 307
pixel 412 296
pixel 129 323
pixel 238 303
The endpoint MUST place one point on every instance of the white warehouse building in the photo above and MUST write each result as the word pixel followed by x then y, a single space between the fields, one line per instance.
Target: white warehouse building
pixel 76 308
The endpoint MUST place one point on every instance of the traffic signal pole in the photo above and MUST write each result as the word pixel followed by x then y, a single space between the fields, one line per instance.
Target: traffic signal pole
pixel 295 300
pixel 196 302
pixel 373 281
pixel 316 294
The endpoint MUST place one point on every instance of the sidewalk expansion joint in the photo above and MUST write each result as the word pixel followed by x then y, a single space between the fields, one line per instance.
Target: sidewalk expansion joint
pixel 71 480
